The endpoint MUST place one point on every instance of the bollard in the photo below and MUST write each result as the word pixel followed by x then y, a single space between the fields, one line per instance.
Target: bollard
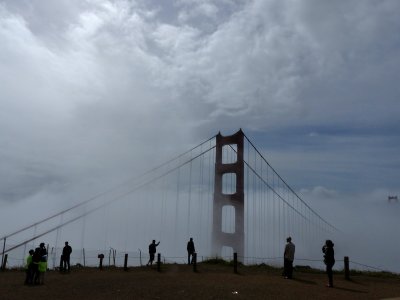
pixel 126 262
pixel 235 262
pixel 346 268
pixel 159 262
pixel 3 267
pixel 101 256
pixel 194 262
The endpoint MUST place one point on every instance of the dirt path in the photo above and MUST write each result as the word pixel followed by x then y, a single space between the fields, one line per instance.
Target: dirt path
pixel 180 282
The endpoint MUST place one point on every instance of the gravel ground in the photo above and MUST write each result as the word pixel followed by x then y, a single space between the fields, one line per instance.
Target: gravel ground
pixel 209 282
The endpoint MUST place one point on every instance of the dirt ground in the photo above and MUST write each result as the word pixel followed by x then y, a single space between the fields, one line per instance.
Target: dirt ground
pixel 209 282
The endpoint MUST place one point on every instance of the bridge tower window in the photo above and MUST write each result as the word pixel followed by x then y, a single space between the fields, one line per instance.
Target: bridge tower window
pixel 229 183
pixel 228 219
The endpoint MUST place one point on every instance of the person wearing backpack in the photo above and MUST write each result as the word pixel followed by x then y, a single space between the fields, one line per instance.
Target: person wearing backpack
pixel 329 260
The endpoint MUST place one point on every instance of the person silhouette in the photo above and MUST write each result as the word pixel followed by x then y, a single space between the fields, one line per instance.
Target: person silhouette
pixel 35 265
pixel 288 258
pixel 42 263
pixel 66 253
pixel 329 260
pixel 39 264
pixel 29 268
pixel 191 250
pixel 152 252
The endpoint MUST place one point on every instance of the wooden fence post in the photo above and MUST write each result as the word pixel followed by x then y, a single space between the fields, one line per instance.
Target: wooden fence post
pixel 3 254
pixel 114 254
pixel 346 268
pixel 3 267
pixel 101 256
pixel 235 262
pixel 159 262
pixel 194 262
pixel 84 258
pixel 126 262
pixel 61 263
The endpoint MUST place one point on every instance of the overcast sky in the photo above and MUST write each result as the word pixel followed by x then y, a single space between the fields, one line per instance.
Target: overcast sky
pixel 89 89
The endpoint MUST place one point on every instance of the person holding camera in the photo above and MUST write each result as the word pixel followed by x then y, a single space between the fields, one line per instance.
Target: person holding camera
pixel 152 252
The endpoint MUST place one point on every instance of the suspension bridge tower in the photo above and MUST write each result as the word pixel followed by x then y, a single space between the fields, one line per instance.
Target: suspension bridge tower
pixel 234 200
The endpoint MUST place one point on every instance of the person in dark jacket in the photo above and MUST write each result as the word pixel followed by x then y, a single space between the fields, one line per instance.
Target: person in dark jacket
pixel 288 257
pixel 42 263
pixel 190 250
pixel 66 253
pixel 152 251
pixel 329 260
pixel 35 265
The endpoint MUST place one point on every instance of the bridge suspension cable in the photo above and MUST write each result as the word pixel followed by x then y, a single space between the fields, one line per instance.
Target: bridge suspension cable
pixel 124 194
pixel 287 186
pixel 272 207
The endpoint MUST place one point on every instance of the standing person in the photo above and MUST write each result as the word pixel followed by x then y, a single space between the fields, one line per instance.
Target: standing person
pixel 42 263
pixel 288 257
pixel 152 251
pixel 29 268
pixel 35 265
pixel 329 260
pixel 190 249
pixel 66 253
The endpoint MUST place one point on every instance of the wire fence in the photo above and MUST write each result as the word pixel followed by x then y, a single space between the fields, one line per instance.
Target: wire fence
pixel 116 258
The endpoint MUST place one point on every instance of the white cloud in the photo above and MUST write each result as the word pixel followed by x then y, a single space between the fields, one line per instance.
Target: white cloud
pixel 92 88
pixel 268 65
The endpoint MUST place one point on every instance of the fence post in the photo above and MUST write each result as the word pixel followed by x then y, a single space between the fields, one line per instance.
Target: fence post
pixel 126 262
pixel 101 256
pixel 61 263
pixel 194 262
pixel 3 267
pixel 84 258
pixel 346 268
pixel 114 254
pixel 2 256
pixel 235 262
pixel 159 262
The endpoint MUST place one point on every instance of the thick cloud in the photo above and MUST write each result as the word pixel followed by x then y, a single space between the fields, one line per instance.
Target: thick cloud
pixel 92 89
